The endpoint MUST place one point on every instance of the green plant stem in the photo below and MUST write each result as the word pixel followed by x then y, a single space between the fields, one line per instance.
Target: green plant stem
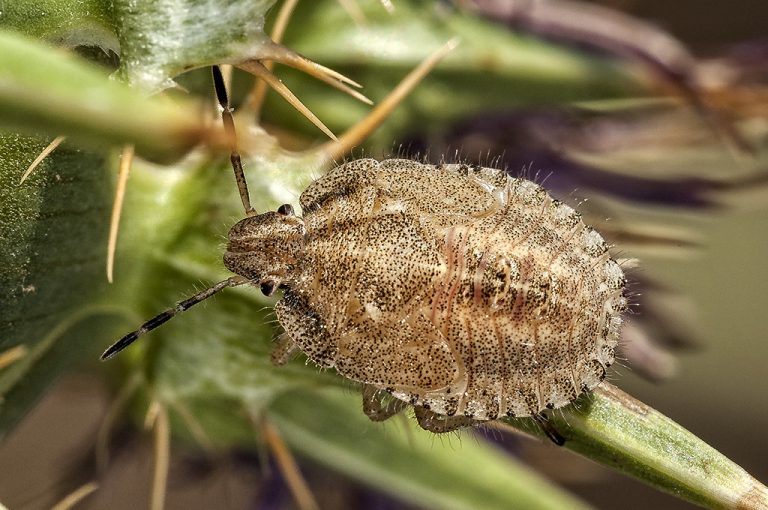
pixel 619 431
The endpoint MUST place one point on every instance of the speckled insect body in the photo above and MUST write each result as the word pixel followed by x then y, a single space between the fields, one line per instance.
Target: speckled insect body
pixel 462 291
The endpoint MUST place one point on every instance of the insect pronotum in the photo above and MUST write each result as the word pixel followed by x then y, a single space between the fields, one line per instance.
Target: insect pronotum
pixel 456 289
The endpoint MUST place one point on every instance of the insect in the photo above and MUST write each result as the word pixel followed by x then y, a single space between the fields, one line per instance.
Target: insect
pixel 456 289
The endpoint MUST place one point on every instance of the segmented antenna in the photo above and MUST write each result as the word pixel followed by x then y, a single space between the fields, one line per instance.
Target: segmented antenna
pixel 167 315
pixel 229 129
pixel 242 185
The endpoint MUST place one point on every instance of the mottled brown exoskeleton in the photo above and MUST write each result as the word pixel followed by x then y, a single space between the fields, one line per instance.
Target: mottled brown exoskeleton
pixel 459 290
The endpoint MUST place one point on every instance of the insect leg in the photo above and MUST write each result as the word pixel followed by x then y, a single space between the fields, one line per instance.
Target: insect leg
pixel 229 128
pixel 376 408
pixel 546 427
pixel 167 315
pixel 306 328
pixel 438 423
pixel 285 349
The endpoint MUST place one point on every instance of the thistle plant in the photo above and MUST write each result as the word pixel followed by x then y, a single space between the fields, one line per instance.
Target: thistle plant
pixel 137 190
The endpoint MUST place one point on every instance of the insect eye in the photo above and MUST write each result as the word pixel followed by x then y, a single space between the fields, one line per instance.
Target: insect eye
pixel 285 210
pixel 267 287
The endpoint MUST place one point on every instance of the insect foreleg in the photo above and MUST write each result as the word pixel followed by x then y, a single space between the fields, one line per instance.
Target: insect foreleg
pixel 284 350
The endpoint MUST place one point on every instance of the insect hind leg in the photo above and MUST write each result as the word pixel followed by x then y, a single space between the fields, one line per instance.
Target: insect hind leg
pixel 549 430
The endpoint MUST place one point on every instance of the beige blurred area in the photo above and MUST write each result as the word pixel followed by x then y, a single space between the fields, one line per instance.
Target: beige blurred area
pixel 51 454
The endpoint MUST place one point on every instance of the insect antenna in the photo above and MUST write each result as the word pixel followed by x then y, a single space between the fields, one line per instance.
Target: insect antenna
pixel 167 315
pixel 229 129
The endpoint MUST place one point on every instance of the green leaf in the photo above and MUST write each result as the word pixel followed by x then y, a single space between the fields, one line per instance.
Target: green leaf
pixel 50 91
pixel 63 22
pixel 52 239
pixel 161 39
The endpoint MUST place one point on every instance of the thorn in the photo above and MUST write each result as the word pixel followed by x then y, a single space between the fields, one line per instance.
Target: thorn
pixel 226 75
pixel 151 415
pixel 257 69
pixel 194 426
pixel 286 11
pixel 387 4
pixel 322 73
pixel 162 454
pixel 39 159
pixel 105 429
pixel 74 497
pixel 288 467
pixel 12 355
pixel 259 91
pixel 360 131
pixel 289 57
pixel 350 92
pixel 286 56
pixel 354 11
pixel 126 159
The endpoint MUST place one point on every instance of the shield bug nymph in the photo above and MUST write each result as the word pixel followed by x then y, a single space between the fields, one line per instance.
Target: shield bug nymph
pixel 457 289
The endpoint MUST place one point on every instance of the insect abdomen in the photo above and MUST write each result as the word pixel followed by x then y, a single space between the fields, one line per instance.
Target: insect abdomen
pixel 532 302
